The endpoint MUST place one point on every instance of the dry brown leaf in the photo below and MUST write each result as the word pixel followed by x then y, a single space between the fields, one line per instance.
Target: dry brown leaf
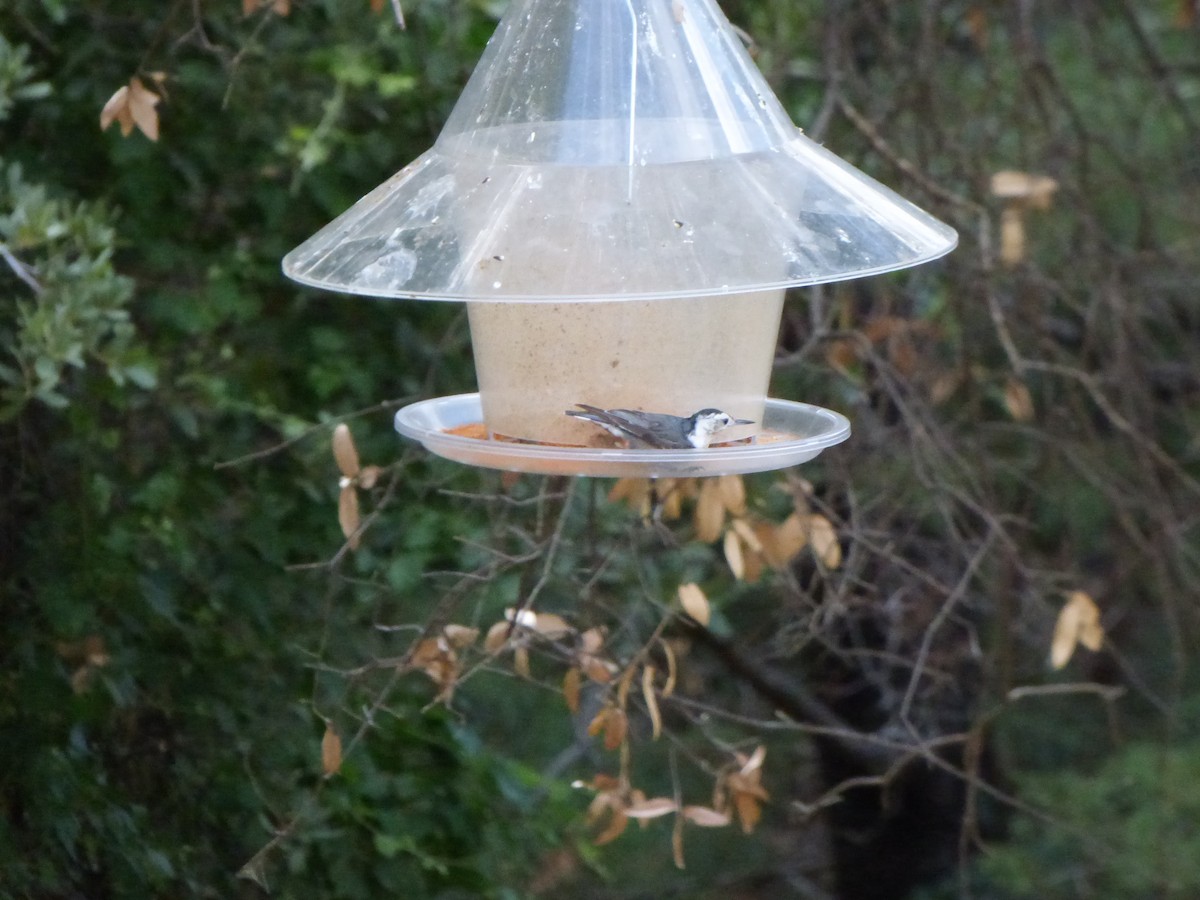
pixel 1066 635
pixel 1024 189
pixel 116 110
pixel 677 843
pixel 623 686
pixel 1017 400
pixel 705 817
pixel 616 729
pixel 733 494
pixel 783 542
pixel 1012 236
pixel 733 554
pixel 709 514
pixel 331 751
pixel 612 798
pixel 615 829
pixel 592 640
pixel 1091 633
pixel 651 702
pixel 460 636
pixel 344 451
pixel 348 516
pixel 755 761
pixel 551 626
pixel 570 689
pixel 613 723
pixel 751 551
pixel 749 811
pixel 823 538
pixel 599 670
pixel 635 492
pixel 754 567
pixel 651 809
pixel 747 534
pixel 132 105
pixel 369 476
pixel 1078 623
pixel 670 498
pixel 142 103
pixel 669 686
pixel 694 603
pixel 497 636
pixel 521 661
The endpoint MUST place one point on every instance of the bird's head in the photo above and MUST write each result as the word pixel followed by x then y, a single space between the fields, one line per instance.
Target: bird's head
pixel 707 422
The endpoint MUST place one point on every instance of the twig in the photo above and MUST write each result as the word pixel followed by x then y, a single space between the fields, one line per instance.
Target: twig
pixel 399 14
pixel 312 429
pixel 943 614
pixel 21 270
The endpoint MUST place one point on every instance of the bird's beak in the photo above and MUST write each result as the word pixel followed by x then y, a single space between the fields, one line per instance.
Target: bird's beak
pixel 743 421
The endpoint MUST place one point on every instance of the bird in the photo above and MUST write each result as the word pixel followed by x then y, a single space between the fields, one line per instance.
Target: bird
pixel 659 431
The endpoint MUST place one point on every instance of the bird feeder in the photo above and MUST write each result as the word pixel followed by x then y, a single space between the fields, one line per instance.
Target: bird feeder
pixel 621 201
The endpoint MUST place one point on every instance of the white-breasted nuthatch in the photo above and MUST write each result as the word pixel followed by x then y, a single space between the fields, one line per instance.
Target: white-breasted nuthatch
pixel 658 431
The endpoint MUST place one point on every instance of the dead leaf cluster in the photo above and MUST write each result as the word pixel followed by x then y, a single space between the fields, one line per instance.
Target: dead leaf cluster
pixel 354 477
pixel 438 657
pixel 720 512
pixel 135 105
pixel 613 719
pixel 738 791
pixel 1020 193
pixel 1078 623
pixel 519 628
pixel 616 803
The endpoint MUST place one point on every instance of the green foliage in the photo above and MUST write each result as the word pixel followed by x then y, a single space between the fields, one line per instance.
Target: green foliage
pixel 16 77
pixel 153 727
pixel 61 303
pixel 61 255
pixel 1126 830
pixel 421 813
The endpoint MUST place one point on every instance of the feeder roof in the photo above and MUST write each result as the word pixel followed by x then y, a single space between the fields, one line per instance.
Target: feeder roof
pixel 616 149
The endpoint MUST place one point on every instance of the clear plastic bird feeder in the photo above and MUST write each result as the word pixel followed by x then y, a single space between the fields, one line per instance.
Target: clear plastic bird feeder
pixel 621 200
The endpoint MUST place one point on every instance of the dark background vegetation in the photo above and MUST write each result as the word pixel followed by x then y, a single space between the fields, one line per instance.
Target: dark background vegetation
pixel 180 622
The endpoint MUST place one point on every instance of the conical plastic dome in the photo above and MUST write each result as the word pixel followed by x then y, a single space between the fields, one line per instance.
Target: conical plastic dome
pixel 616 149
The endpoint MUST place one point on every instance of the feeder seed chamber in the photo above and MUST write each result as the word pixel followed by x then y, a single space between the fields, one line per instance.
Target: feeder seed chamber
pixel 621 201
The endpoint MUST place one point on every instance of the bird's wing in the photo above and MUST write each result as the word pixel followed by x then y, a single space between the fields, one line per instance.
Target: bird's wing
pixel 597 416
pixel 652 430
